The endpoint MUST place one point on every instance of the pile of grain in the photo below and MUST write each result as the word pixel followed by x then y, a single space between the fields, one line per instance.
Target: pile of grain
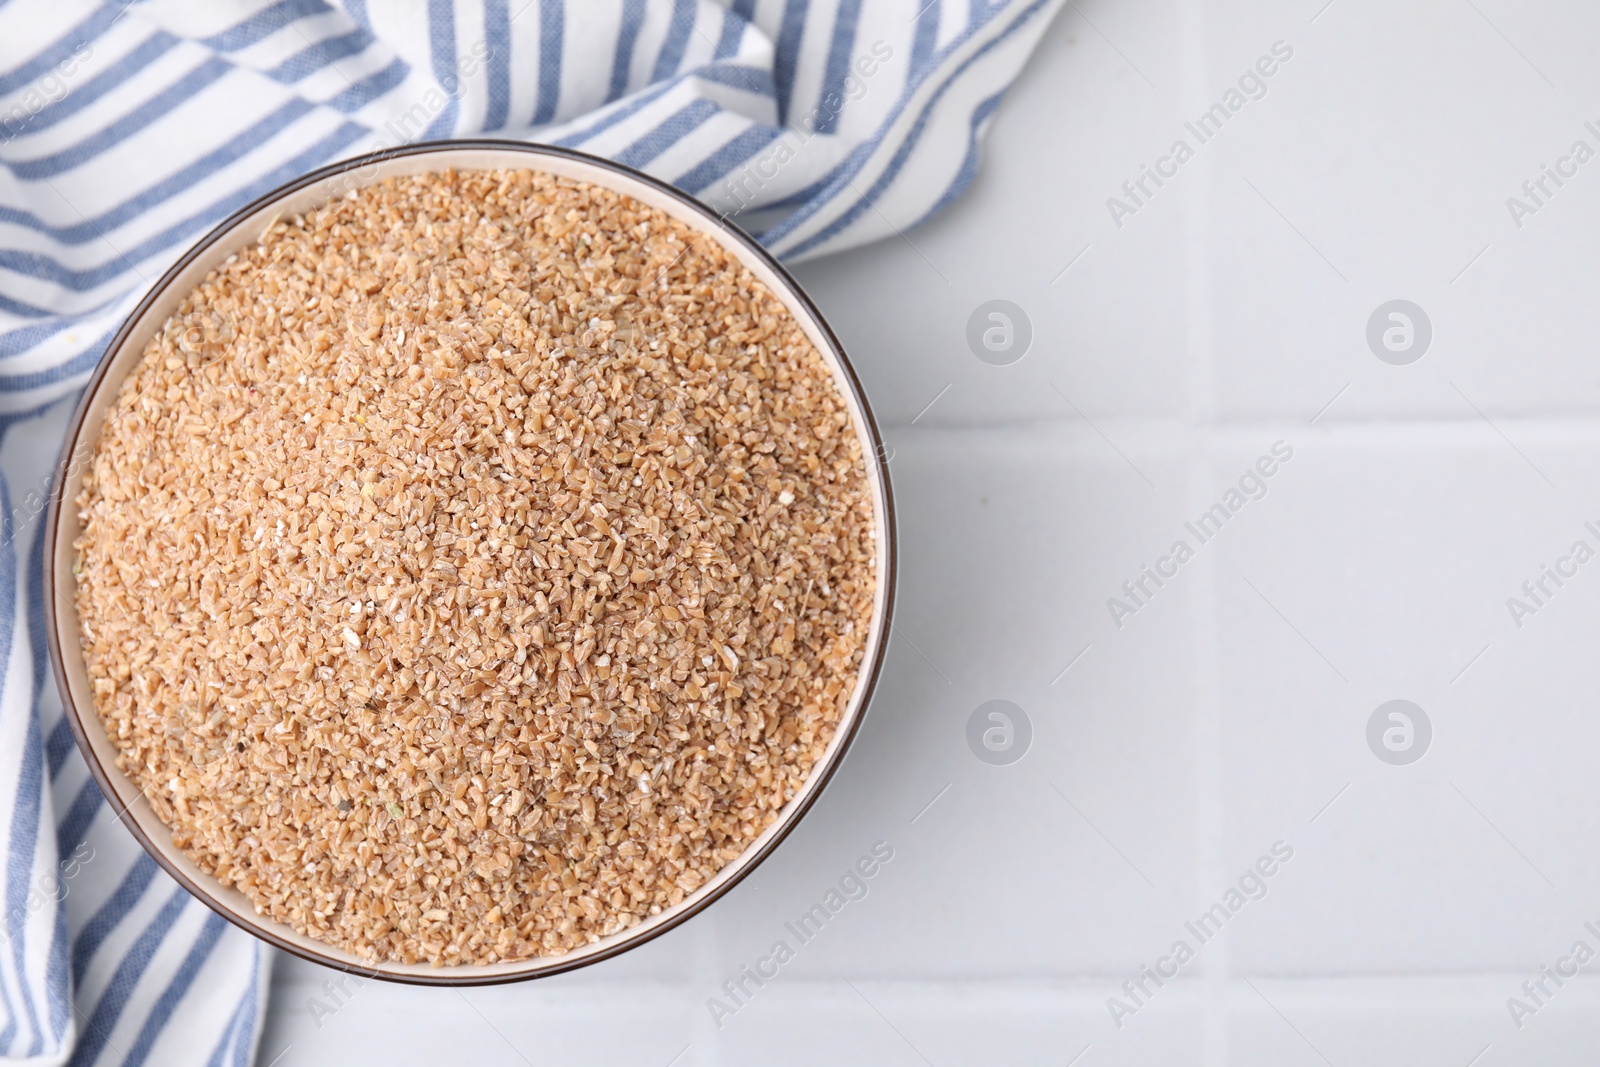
pixel 474 566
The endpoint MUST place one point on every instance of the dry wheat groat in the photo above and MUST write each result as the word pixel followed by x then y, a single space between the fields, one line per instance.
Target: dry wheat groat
pixel 474 566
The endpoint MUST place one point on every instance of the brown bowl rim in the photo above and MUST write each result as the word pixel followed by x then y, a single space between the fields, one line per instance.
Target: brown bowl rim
pixel 748 862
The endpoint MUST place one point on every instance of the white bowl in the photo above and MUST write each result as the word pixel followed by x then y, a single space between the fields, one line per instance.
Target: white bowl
pixel 123 354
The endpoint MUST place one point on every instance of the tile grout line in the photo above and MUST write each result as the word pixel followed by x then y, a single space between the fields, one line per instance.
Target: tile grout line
pixel 1551 429
pixel 1202 411
pixel 702 1034
pixel 1210 810
pixel 1084 987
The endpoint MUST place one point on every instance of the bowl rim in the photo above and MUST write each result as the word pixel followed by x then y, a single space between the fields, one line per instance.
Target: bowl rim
pixel 821 774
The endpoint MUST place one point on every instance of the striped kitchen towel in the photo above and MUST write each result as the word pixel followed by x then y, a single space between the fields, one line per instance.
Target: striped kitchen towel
pixel 129 129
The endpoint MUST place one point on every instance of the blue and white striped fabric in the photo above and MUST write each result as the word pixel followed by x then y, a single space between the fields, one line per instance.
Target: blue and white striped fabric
pixel 128 130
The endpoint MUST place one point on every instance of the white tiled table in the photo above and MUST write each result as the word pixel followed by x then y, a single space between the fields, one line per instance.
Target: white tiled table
pixel 1230 713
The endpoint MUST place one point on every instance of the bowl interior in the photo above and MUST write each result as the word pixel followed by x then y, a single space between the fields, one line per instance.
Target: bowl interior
pixel 125 351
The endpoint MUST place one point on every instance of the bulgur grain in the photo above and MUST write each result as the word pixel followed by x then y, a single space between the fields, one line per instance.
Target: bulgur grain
pixel 473 567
